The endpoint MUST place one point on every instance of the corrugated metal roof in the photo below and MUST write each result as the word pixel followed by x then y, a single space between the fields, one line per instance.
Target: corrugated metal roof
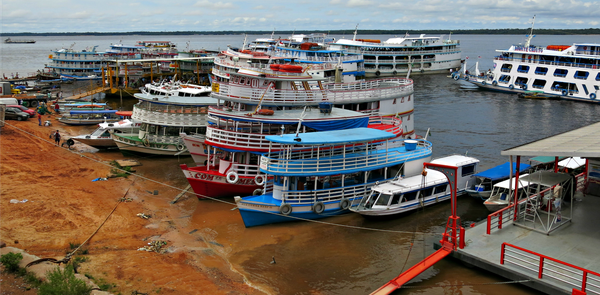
pixel 582 142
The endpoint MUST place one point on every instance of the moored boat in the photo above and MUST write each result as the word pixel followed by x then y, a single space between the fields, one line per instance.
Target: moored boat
pixel 89 117
pixel 101 137
pixel 320 174
pixel 485 180
pixel 404 194
pixel 566 72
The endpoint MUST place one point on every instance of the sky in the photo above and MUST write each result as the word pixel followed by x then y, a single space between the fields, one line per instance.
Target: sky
pixel 39 16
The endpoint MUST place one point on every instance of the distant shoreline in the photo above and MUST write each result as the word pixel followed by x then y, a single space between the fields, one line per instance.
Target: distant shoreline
pixel 590 31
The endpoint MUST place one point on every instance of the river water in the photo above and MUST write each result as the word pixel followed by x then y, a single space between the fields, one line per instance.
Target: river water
pixel 349 254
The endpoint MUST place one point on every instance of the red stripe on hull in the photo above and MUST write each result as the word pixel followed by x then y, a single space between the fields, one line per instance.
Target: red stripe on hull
pixel 219 189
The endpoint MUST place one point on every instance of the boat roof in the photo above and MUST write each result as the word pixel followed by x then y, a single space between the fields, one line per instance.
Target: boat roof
pixel 288 116
pixel 501 171
pixel 93 112
pixel 412 183
pixel 545 178
pixel 545 159
pixel 455 160
pixel 353 135
pixel 572 163
pixel 511 182
pixel 178 100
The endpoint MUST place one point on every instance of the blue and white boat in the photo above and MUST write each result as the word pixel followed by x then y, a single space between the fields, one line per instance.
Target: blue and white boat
pixel 320 174
pixel 406 194
pixel 485 180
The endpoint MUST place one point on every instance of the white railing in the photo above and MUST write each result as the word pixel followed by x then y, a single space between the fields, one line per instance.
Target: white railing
pixel 308 163
pixel 550 63
pixel 266 68
pixel 168 118
pixel 308 196
pixel 407 52
pixel 328 59
pixel 245 169
pixel 394 123
pixel 337 93
pixel 233 139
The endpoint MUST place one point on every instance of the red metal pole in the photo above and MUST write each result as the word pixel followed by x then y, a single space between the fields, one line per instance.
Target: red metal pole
pixel 489 224
pixel 555 164
pixel 500 220
pixel 584 280
pixel 541 269
pixel 461 242
pixel 502 253
pixel 517 188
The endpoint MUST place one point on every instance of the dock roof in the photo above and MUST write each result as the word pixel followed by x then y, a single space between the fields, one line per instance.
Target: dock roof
pixel 583 142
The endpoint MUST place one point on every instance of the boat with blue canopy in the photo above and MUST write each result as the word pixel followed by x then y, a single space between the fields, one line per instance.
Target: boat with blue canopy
pixel 320 174
pixel 485 180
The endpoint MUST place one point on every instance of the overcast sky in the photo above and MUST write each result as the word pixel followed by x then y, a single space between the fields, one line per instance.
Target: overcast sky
pixel 205 15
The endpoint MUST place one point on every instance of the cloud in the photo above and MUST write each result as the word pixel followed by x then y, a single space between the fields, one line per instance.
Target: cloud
pixel 214 5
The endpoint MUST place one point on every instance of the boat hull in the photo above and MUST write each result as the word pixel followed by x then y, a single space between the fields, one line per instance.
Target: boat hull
pixel 97 142
pixel 479 194
pixel 141 148
pixel 214 185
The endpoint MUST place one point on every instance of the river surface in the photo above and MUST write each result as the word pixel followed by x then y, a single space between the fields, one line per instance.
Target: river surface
pixel 350 254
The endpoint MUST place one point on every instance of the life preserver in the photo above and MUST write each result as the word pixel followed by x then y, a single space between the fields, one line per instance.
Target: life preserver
pixel 394 73
pixel 259 179
pixel 257 192
pixel 495 83
pixel 593 96
pixel 483 83
pixel 524 86
pixel 377 73
pixel 318 207
pixel 564 92
pixel 456 77
pixel 146 141
pixel 511 87
pixel 285 209
pixel 422 71
pixel 344 204
pixel 232 177
pixel 180 147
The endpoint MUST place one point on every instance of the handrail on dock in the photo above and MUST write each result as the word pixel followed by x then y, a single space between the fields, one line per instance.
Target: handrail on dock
pixel 578 277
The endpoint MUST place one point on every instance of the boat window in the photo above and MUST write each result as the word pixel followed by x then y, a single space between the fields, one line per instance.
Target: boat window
pixel 585 89
pixel 468 169
pixel 383 200
pixel 396 199
pixel 538 84
pixel 506 68
pixel 597 79
pixel 172 131
pixel 560 73
pixel 581 75
pixel 541 71
pixel 152 129
pixel 523 69
pixel 504 79
pixel 427 192
pixel 105 134
pixel 410 196
pixel 440 188
pixel 521 81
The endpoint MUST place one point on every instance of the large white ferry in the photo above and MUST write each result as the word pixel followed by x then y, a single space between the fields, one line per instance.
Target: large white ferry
pixel 569 72
pixel 398 56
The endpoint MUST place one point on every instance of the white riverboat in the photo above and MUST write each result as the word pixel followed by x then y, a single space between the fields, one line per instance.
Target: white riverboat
pixel 405 194
pixel 321 174
pixel 77 64
pixel 401 55
pixel 162 119
pixel 568 72
pixel 101 137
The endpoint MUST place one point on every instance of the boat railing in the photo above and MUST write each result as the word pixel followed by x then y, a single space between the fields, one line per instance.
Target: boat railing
pixel 566 274
pixel 360 161
pixel 328 59
pixel 265 68
pixel 408 51
pixel 245 169
pixel 164 139
pixel 395 124
pixel 550 63
pixel 162 117
pixel 308 196
pixel 337 93
pixel 235 139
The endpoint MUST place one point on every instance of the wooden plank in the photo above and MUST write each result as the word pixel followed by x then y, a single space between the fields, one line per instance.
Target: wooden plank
pixel 181 194
pixel 128 163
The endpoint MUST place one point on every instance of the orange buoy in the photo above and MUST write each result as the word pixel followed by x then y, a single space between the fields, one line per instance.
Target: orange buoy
pixel 124 113
pixel 290 69
pixel 266 112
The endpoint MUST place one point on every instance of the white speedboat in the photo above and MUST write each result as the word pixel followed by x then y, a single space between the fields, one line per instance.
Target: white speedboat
pixel 405 194
pixel 101 137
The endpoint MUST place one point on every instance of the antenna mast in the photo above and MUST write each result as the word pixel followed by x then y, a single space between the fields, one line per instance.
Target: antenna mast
pixel 528 41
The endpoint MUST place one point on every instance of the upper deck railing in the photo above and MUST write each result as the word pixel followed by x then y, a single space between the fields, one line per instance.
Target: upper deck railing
pixel 246 136
pixel 550 63
pixel 408 51
pixel 170 115
pixel 339 160
pixel 264 67
pixel 336 93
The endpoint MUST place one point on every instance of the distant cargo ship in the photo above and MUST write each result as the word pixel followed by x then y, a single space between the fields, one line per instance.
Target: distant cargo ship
pixel 9 40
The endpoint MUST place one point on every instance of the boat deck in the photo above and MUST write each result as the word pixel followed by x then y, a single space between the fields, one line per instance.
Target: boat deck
pixel 577 243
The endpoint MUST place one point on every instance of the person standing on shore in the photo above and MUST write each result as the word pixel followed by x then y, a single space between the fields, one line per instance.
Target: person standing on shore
pixel 57 137
pixel 39 115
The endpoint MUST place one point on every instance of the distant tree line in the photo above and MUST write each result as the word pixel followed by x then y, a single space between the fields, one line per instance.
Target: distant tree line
pixel 590 31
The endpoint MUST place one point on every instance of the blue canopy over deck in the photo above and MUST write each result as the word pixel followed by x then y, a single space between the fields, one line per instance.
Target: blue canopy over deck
pixel 332 137
pixel 74 112
pixel 501 171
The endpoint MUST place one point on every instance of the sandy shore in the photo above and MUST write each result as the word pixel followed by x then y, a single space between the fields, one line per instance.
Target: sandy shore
pixel 65 207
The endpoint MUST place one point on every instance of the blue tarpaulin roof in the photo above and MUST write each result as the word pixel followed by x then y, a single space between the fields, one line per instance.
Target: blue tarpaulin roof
pixel 333 137
pixel 501 171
